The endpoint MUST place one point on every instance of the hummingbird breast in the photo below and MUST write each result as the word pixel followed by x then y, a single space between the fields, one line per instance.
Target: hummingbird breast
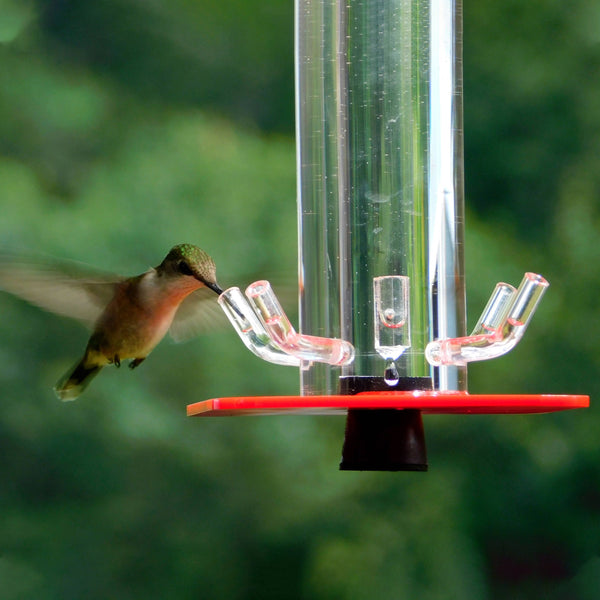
pixel 137 318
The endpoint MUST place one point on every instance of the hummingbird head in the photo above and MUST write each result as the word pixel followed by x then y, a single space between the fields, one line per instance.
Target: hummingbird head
pixel 190 261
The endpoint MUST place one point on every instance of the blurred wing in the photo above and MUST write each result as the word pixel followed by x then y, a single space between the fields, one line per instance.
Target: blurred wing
pixel 65 288
pixel 198 313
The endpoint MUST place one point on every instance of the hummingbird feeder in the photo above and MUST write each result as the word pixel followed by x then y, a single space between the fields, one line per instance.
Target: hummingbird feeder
pixel 382 332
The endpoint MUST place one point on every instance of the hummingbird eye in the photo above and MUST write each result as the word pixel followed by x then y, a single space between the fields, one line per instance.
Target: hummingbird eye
pixel 184 268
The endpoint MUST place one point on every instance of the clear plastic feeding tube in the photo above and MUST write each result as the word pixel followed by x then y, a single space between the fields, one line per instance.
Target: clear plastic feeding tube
pixel 379 161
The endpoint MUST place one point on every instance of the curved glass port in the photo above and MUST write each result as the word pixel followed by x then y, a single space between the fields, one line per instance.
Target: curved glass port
pixel 499 329
pixel 251 330
pixel 307 348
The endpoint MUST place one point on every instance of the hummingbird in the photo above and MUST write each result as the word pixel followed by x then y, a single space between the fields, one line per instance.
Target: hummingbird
pixel 129 316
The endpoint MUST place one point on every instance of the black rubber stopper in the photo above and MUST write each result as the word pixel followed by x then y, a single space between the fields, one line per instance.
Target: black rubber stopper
pixel 384 439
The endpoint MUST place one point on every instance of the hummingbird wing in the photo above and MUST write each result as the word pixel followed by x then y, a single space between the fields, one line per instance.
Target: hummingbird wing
pixel 198 313
pixel 65 288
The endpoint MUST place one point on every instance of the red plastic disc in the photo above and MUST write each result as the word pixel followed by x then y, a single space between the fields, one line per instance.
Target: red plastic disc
pixel 426 401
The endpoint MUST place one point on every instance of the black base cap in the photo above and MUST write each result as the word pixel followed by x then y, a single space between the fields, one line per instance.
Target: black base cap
pixel 384 439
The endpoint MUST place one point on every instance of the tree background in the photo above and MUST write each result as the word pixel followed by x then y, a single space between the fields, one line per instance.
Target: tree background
pixel 129 126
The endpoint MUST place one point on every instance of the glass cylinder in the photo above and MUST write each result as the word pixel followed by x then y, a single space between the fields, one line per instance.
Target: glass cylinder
pixel 380 171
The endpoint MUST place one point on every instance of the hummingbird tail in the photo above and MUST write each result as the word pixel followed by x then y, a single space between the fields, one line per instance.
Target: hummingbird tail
pixel 72 384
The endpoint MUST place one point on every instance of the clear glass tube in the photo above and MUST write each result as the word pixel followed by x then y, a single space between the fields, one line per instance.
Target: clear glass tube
pixel 379 135
pixel 391 299
pixel 392 315
pixel 496 310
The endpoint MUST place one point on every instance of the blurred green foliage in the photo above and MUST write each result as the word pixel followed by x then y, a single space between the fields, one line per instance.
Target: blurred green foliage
pixel 127 127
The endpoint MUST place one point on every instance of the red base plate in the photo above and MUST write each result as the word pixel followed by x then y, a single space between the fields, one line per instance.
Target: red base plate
pixel 428 402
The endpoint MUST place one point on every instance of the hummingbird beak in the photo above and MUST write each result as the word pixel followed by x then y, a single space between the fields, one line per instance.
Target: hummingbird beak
pixel 214 287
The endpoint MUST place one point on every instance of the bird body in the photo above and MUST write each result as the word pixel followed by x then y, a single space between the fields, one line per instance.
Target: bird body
pixel 139 312
pixel 138 316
